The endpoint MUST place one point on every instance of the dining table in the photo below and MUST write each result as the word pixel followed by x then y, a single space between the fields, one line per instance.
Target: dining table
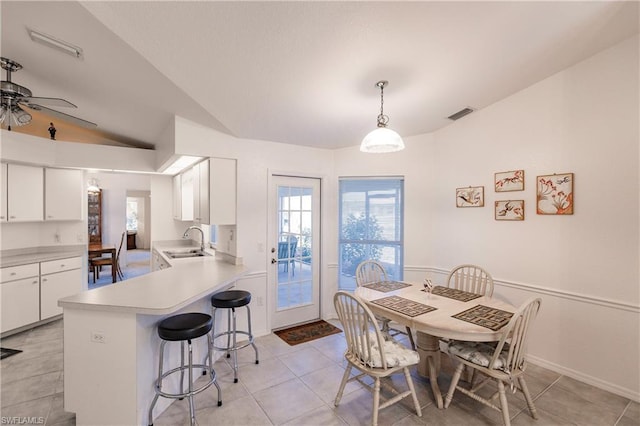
pixel 443 313
pixel 98 249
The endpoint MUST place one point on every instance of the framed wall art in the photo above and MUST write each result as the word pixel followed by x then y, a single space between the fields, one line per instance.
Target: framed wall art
pixel 554 194
pixel 509 210
pixel 509 181
pixel 471 196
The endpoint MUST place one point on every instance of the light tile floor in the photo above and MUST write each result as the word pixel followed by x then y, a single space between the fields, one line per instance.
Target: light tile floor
pixel 296 385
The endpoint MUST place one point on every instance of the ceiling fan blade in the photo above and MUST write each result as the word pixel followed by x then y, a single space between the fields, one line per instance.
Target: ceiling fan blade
pixel 63 116
pixel 54 102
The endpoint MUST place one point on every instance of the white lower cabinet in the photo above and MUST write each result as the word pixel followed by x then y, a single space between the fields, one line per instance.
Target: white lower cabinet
pixel 29 293
pixel 20 301
pixel 58 279
pixel 157 262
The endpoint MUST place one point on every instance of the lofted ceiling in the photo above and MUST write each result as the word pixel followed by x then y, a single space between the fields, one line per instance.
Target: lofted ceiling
pixel 294 72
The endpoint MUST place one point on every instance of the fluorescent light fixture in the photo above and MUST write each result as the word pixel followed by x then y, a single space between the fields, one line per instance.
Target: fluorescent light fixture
pixel 180 164
pixel 55 43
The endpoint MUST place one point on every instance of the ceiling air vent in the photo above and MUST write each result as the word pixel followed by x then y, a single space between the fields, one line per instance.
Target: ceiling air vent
pixel 458 115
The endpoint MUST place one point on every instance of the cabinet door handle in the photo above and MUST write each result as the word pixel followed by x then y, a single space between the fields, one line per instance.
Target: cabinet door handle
pixel 13 273
pixel 12 217
pixel 35 282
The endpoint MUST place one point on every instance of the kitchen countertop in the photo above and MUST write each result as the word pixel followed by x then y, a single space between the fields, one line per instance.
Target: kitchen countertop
pixel 161 292
pixel 16 257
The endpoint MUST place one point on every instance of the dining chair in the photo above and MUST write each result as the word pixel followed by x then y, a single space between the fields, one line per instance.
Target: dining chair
pixel 286 253
pixel 97 262
pixel 504 361
pixel 372 355
pixel 471 278
pixel 372 271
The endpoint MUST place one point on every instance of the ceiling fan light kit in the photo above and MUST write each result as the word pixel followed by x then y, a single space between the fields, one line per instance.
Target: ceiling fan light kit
pixel 13 98
pixel 55 43
pixel 382 139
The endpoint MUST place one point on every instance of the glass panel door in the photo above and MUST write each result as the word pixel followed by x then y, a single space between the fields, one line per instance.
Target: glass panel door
pixel 295 245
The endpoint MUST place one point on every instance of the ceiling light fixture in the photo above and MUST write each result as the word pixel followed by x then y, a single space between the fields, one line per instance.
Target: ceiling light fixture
pixel 382 139
pixel 180 164
pixel 93 185
pixel 51 41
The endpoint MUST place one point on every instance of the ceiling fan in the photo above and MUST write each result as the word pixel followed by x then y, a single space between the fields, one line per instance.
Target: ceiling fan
pixel 13 98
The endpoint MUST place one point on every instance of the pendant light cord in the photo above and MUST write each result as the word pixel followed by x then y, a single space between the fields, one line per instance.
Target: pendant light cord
pixel 382 119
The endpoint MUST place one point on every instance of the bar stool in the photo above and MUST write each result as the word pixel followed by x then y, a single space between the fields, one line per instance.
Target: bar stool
pixel 230 300
pixel 181 328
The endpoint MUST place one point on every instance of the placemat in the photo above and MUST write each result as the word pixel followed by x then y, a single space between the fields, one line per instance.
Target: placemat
pixel 452 293
pixel 485 316
pixel 404 306
pixel 387 286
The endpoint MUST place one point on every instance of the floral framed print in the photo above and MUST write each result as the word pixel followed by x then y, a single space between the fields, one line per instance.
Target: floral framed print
pixel 471 196
pixel 554 194
pixel 509 181
pixel 509 210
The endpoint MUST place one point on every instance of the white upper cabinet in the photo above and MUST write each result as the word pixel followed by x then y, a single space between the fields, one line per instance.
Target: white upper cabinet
pixel 186 194
pixel 63 194
pixel 25 193
pixel 201 192
pixel 206 193
pixel 222 191
pixel 3 203
pixel 177 197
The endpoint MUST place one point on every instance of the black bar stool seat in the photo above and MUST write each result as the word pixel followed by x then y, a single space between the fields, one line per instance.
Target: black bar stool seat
pixel 230 300
pixel 183 328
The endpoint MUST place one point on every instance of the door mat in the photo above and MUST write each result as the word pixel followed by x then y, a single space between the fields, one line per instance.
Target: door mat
pixel 307 332
pixel 5 353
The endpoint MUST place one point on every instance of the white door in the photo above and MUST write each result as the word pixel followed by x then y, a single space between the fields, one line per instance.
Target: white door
pixel 294 250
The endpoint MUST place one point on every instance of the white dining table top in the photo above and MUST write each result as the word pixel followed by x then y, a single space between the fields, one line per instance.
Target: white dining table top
pixel 439 322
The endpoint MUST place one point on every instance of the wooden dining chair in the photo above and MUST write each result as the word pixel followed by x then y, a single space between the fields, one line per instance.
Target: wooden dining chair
pixel 504 361
pixel 97 262
pixel 372 355
pixel 471 278
pixel 372 271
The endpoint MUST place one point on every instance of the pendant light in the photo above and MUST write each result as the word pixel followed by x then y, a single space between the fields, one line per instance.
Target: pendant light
pixel 382 139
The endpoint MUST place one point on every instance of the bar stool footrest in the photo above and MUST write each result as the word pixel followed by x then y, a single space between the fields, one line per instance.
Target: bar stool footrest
pixel 183 395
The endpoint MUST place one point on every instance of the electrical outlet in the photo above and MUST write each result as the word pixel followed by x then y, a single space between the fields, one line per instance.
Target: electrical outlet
pixel 259 300
pixel 98 337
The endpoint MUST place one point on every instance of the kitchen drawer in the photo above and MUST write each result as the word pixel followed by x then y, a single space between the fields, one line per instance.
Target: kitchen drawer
pixel 60 265
pixel 13 273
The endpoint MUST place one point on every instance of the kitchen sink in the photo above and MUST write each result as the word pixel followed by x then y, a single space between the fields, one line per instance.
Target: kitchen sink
pixel 182 254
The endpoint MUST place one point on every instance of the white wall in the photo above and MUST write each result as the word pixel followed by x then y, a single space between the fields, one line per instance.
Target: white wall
pixel 585 266
pixel 255 161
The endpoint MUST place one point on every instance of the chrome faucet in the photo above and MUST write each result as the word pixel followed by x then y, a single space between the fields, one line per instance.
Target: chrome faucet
pixel 186 235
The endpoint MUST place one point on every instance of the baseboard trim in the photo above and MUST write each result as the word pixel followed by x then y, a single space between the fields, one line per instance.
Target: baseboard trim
pixel 601 384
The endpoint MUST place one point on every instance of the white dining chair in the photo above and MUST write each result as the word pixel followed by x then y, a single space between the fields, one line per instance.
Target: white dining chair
pixel 372 271
pixel 504 361
pixel 372 355
pixel 471 278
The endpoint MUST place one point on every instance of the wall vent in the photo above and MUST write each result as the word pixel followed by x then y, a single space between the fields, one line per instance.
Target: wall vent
pixel 458 115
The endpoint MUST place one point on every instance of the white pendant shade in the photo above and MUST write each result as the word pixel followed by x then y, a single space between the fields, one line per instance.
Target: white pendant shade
pixel 382 140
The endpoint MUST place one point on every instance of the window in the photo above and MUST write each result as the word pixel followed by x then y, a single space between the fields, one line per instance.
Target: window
pixel 132 214
pixel 371 226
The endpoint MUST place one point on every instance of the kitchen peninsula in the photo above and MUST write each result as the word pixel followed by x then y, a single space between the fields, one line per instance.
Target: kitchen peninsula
pixel 111 344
